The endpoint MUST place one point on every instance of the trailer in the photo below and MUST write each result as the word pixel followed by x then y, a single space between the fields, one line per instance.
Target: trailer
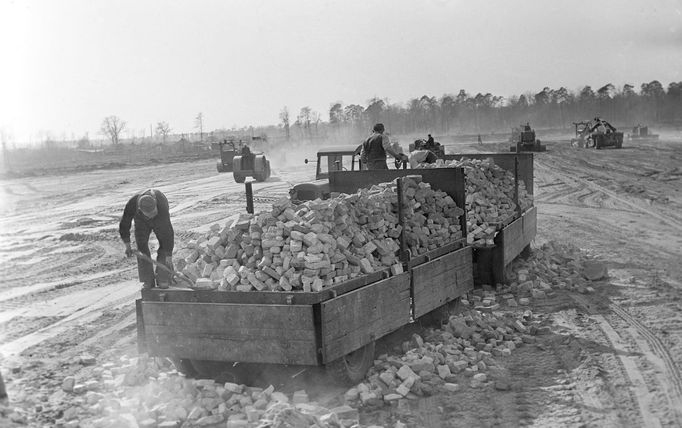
pixel 491 262
pixel 336 327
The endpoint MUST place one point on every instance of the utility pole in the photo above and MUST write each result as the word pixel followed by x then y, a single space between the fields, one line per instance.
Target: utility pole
pixel 200 125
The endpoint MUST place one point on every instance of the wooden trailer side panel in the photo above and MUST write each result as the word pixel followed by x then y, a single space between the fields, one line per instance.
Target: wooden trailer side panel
pixel 279 334
pixel 441 280
pixel 354 319
pixel 518 235
pixel 448 180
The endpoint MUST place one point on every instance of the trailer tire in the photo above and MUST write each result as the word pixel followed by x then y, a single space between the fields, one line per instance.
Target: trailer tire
pixel 352 367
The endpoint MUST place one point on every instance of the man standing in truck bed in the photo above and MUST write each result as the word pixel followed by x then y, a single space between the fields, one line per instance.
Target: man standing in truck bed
pixel 376 146
pixel 150 211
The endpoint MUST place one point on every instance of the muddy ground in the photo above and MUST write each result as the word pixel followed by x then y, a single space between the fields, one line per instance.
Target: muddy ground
pixel 609 358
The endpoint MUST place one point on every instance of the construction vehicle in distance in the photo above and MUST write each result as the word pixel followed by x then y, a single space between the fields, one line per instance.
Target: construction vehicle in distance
pixel 340 158
pixel 641 133
pixel 437 148
pixel 231 147
pixel 249 164
pixel 523 140
pixel 228 150
pixel 596 133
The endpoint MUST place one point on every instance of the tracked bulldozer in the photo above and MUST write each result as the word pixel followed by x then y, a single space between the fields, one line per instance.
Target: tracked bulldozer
pixel 523 140
pixel 596 133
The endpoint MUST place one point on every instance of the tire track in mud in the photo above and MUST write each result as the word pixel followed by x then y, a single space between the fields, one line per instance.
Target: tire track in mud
pixel 578 184
pixel 78 310
pixel 672 374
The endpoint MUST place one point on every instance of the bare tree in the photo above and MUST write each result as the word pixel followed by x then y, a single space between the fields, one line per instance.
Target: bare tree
pixel 284 117
pixel 199 123
pixel 163 129
pixel 112 126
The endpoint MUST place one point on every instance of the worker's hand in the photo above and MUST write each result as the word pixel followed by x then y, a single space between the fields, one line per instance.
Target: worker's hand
pixel 129 251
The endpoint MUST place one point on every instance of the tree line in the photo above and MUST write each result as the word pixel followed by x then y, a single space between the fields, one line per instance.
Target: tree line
pixel 467 113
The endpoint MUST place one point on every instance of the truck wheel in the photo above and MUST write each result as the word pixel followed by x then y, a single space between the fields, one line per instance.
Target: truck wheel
pixel 352 368
pixel 239 178
pixel 219 167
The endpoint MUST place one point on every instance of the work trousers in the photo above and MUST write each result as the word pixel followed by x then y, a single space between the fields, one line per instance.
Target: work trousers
pixel 162 228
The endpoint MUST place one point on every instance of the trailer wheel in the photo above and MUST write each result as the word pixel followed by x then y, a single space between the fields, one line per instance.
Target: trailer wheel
pixel 352 368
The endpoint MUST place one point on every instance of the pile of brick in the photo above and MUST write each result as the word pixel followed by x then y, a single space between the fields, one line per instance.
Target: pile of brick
pixel 431 216
pixel 489 197
pixel 554 266
pixel 316 244
pixel 461 352
pixel 148 393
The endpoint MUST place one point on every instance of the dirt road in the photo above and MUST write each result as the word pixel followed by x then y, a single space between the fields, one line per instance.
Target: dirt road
pixel 609 358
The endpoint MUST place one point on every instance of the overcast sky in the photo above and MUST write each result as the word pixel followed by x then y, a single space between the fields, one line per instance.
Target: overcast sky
pixel 65 65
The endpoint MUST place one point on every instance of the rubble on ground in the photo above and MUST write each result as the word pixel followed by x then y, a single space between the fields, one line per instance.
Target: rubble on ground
pixel 459 353
pixel 555 266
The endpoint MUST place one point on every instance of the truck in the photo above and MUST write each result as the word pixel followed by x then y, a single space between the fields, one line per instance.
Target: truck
pixel 641 133
pixel 338 158
pixel 596 133
pixel 228 150
pixel 337 327
pixel 523 140
pixel 231 147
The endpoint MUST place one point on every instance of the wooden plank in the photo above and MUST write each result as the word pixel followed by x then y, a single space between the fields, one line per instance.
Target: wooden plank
pixel 512 241
pixel 518 235
pixel 219 348
pixel 283 334
pixel 530 224
pixel 441 280
pixel 139 321
pixel 208 316
pixel 355 319
pixel 259 297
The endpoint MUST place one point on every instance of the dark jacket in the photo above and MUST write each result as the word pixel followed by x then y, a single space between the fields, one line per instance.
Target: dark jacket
pixel 374 150
pixel 130 212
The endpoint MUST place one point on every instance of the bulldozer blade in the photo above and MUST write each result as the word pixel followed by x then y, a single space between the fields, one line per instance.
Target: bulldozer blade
pixel 163 267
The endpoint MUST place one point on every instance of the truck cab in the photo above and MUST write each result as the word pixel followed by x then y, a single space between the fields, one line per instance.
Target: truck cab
pixel 340 158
